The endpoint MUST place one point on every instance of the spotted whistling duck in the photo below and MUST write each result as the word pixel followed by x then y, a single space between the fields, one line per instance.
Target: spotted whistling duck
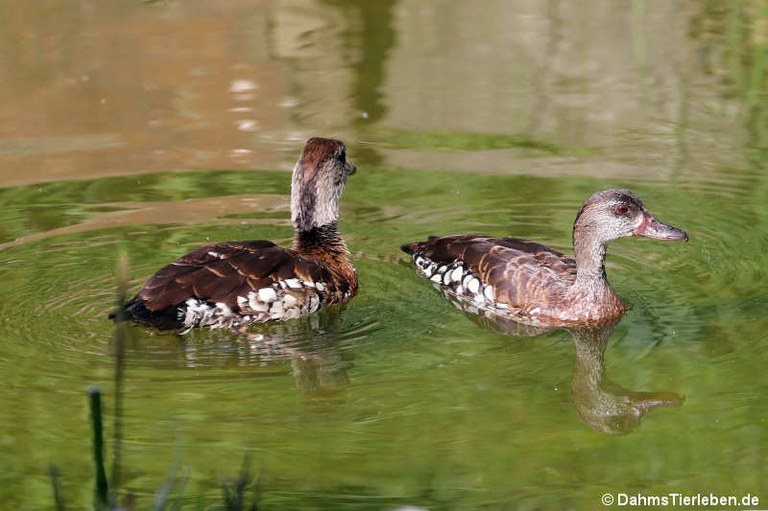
pixel 535 284
pixel 237 283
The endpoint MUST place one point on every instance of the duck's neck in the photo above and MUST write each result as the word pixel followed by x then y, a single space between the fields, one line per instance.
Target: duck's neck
pixel 589 253
pixel 324 243
pixel 591 290
pixel 590 347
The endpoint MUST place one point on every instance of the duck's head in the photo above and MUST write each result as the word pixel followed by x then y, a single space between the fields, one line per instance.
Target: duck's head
pixel 611 214
pixel 318 180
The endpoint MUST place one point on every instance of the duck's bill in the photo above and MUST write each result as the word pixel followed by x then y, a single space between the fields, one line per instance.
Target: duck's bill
pixel 652 228
pixel 649 400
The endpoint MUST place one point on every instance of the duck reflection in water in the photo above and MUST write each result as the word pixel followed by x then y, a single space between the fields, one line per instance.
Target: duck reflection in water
pixel 604 405
pixel 312 345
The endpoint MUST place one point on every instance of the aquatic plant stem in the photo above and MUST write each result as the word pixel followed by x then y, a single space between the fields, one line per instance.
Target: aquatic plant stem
pixel 234 492
pixel 58 500
pixel 101 494
pixel 119 347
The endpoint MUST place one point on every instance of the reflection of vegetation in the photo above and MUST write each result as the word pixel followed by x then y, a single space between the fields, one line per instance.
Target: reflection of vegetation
pixel 47 206
pixel 734 47
pixel 370 37
pixel 107 490
pixel 450 140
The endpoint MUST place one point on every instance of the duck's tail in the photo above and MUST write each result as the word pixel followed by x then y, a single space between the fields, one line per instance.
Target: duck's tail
pixel 135 310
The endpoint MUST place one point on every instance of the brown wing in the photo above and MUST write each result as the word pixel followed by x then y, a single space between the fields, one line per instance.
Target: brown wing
pixel 228 273
pixel 520 271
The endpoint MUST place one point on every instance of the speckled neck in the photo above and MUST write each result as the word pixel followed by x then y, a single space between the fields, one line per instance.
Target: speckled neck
pixel 591 293
pixel 589 253
pixel 314 200
pixel 588 369
pixel 590 259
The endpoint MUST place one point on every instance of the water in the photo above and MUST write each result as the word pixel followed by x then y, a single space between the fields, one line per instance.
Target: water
pixel 151 128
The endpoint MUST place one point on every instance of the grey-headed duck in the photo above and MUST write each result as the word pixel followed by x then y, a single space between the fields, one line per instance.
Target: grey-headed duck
pixel 533 283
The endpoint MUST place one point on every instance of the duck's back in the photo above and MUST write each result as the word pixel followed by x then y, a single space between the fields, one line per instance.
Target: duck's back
pixel 504 273
pixel 236 283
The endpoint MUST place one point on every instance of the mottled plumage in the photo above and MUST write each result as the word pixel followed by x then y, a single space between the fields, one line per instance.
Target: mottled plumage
pixel 536 284
pixel 236 283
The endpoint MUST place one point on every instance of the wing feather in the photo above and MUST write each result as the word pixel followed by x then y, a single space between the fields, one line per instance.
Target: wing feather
pixel 520 271
pixel 223 272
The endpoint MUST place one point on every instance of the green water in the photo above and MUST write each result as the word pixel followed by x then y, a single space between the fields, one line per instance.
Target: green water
pixel 397 399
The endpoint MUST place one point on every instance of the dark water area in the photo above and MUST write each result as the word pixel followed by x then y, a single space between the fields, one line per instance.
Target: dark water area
pixel 150 128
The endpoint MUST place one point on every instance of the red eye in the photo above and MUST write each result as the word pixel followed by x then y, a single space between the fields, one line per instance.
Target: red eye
pixel 621 209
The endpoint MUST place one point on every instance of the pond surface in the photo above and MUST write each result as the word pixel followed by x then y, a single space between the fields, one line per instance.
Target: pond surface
pixel 150 128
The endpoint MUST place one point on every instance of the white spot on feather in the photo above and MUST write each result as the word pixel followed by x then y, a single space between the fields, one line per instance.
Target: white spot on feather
pixel 255 303
pixel 290 301
pixel 267 294
pixel 201 313
pixel 473 285
pixel 291 313
pixel 423 263
pixel 277 311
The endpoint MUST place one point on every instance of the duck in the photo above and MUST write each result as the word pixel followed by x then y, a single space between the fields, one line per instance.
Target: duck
pixel 533 284
pixel 235 284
